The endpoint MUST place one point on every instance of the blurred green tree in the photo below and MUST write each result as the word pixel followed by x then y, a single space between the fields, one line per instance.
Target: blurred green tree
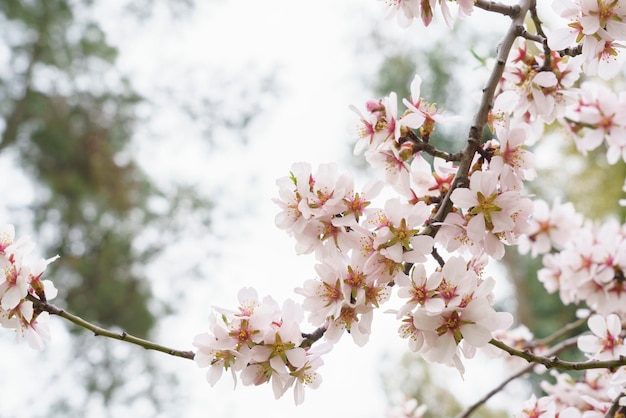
pixel 67 117
pixel 70 127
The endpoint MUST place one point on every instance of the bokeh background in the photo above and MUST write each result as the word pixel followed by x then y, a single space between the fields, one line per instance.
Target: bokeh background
pixel 141 141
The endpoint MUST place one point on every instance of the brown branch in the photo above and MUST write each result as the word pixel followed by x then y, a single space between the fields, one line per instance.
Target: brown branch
pixel 541 38
pixel 420 145
pixel 616 410
pixel 309 339
pixel 492 6
pixel 532 37
pixel 556 363
pixel 572 52
pixel 99 331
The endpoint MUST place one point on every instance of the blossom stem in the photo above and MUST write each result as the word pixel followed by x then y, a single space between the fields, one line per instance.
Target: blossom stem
pixel 556 363
pixel 419 145
pixel 99 331
pixel 541 37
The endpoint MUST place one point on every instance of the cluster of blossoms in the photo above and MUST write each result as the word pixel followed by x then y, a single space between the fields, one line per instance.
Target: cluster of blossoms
pixel 391 142
pixel 362 251
pixel 539 91
pixel 448 312
pixel 534 88
pixel 598 116
pixel 597 27
pixel 19 279
pixel 550 228
pixel 263 342
pixel 493 211
pixel 590 265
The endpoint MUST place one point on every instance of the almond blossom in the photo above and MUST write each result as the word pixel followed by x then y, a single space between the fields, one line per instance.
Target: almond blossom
pixel 511 160
pixel 262 342
pixel 597 117
pixel 590 268
pixel 550 228
pixel 449 313
pixel 535 90
pixel 429 181
pixel 407 10
pixel 311 203
pixel 492 213
pixel 605 343
pixel 398 231
pixel 599 26
pixel 21 277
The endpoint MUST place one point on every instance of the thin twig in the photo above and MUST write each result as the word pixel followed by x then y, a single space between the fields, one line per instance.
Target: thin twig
pixel 419 145
pixel 541 38
pixel 473 407
pixel 526 369
pixel 556 363
pixel 438 257
pixel 99 331
pixel 310 338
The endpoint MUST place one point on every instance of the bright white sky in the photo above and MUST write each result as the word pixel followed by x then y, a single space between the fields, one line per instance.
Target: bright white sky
pixel 313 48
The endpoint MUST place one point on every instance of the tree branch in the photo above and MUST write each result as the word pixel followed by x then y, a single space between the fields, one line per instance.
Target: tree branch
pixel 98 331
pixel 492 6
pixel 419 145
pixel 541 37
pixel 573 51
pixel 555 363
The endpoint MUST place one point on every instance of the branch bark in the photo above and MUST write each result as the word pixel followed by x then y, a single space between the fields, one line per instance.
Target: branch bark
pixel 99 331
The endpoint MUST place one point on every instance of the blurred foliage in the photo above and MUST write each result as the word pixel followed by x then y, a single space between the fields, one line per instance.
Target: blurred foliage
pixel 415 378
pixel 596 187
pixel 435 65
pixel 69 119
pixel 72 131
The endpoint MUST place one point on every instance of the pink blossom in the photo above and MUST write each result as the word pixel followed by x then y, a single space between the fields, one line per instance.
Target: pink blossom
pixel 492 214
pixel 606 343
pixel 550 227
pixel 398 231
pixel 544 407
